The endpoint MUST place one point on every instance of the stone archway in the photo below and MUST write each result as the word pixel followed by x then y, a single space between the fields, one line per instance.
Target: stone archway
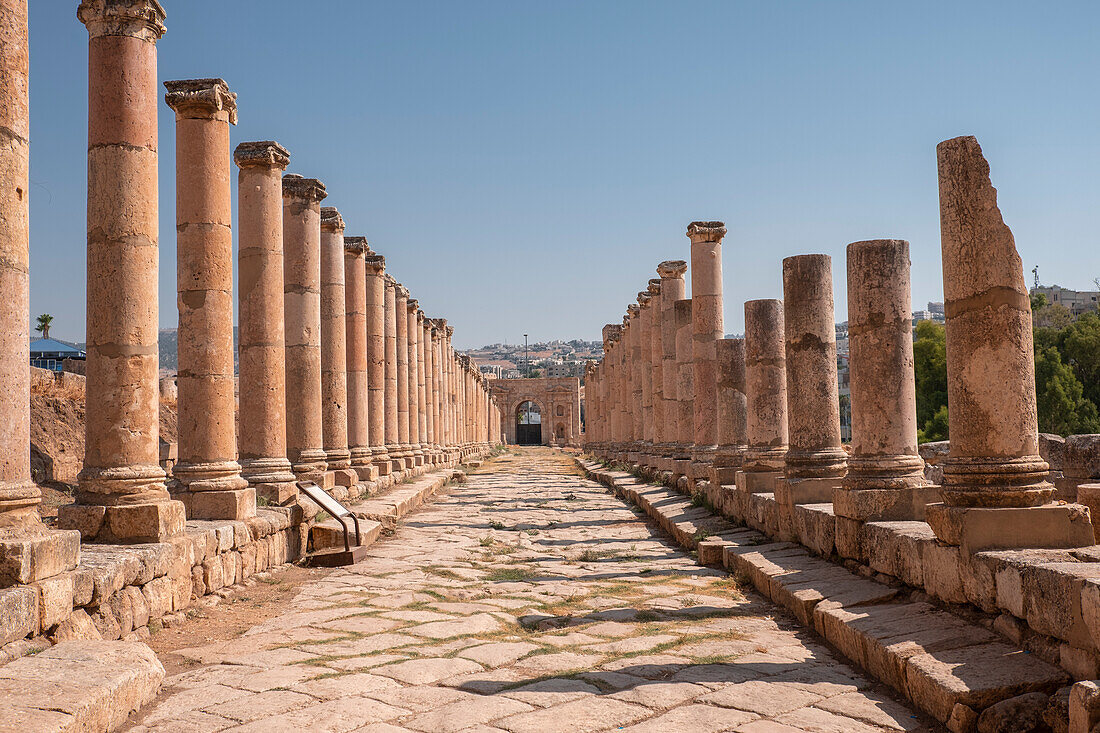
pixel 558 401
pixel 528 416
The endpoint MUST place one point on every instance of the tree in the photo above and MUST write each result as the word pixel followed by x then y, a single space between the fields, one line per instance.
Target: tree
pixel 930 365
pixel 936 427
pixel 1079 345
pixel 43 326
pixel 1063 408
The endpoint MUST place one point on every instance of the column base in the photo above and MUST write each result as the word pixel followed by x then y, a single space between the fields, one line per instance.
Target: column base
pixel 124 523
pixel 757 482
pixel 236 504
pixel 271 479
pixel 343 477
pixel 789 492
pixel 278 493
pixel 884 505
pixel 973 529
pixel 27 559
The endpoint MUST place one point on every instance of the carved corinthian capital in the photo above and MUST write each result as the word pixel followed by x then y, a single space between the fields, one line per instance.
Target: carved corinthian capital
pixel 201 98
pixel 142 19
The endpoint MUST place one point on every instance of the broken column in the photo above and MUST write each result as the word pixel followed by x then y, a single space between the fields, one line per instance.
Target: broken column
pixel 885 480
pixel 707 328
pixel 685 390
pixel 377 400
pixel 672 290
pixel 995 489
pixel 302 317
pixel 121 495
pixel 816 460
pixel 355 320
pixel 393 438
pixel 765 397
pixel 262 357
pixel 31 552
pixel 732 413
pixel 207 472
pixel 334 364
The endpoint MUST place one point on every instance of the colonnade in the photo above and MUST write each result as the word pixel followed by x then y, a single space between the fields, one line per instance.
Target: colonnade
pixel 343 380
pixel 760 414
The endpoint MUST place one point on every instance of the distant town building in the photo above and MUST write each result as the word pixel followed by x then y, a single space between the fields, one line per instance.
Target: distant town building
pixel 493 371
pixel 49 353
pixel 1075 301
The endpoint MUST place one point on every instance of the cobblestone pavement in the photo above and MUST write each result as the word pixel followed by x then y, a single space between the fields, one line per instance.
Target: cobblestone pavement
pixel 528 599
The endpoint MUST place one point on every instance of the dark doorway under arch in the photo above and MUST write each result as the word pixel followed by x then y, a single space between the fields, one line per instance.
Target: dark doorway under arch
pixel 528 424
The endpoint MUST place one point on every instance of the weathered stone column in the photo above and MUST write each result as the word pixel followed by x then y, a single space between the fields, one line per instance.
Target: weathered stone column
pixel 885 478
pixel 30 551
pixel 672 290
pixel 412 332
pixel 377 373
pixel 207 472
pixel 302 315
pixel 995 490
pixel 648 305
pixel 426 398
pixel 261 336
pixel 707 329
pixel 440 429
pixel 452 390
pixel 626 390
pixel 816 461
pixel 121 496
pixel 393 435
pixel 637 395
pixel 611 333
pixel 765 397
pixel 334 350
pixel 401 321
pixel 732 414
pixel 685 389
pixel 656 367
pixel 355 314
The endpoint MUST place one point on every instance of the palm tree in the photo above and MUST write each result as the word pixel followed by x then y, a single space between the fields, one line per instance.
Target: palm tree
pixel 43 326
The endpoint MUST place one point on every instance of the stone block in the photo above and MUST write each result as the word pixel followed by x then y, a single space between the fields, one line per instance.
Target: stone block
pixel 897 549
pixel 238 504
pixel 757 482
pixel 344 477
pixel 1084 706
pixel 18 613
pixel 248 561
pixel 979 585
pixel 1052 449
pixel 231 568
pixel 849 539
pixel 76 627
pixel 979 528
pixel 27 559
pixel 121 609
pixel 815 527
pixel 224 533
pixel 1082 664
pixel 723 475
pixel 55 600
pixel 152 522
pixel 139 607
pixel 1089 495
pixel 83 586
pixel 789 492
pixel 159 594
pixel 1082 457
pixel 942 572
pixel 877 505
pixel 1047 594
pixel 213 574
pixel 106 623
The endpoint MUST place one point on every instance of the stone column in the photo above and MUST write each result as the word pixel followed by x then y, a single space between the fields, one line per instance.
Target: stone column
pixel 393 436
pixel 685 389
pixel 31 552
pixel 334 351
pixel 207 471
pixel 121 496
pixel 637 396
pixel 439 431
pixel 626 391
pixel 732 414
pixel 648 305
pixel 401 334
pixel 655 359
pixel 426 397
pixel 377 372
pixel 261 336
pixel 355 314
pixel 816 460
pixel 302 315
pixel 452 391
pixel 609 389
pixel 707 329
pixel 995 488
pixel 672 290
pixel 885 480
pixel 765 397
pixel 412 335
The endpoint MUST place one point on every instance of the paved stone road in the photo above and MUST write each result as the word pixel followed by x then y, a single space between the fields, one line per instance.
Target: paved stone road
pixel 528 599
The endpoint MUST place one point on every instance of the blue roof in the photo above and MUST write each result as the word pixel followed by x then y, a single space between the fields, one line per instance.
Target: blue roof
pixel 53 346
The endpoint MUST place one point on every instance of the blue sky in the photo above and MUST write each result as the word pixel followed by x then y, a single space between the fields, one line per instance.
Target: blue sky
pixel 524 166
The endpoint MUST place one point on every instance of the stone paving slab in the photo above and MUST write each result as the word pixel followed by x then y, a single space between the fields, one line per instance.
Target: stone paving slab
pixel 526 599
pixel 946 666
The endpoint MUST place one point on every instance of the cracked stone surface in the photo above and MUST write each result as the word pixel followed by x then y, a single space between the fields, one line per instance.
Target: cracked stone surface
pixel 526 599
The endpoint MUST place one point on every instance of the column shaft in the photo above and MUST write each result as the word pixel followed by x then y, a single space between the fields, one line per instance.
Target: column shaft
pixel 378 402
pixel 672 290
pixel 765 395
pixel 334 350
pixel 393 436
pixel 355 326
pixel 707 328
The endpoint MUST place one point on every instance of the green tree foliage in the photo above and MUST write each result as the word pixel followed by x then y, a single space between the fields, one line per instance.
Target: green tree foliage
pixel 44 322
pixel 930 364
pixel 1079 344
pixel 1063 408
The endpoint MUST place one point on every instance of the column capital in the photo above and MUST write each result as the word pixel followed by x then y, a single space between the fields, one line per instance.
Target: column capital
pixel 309 190
pixel 643 299
pixel 420 317
pixel 706 231
pixel 449 329
pixel 202 99
pixel 390 282
pixel 261 154
pixel 376 264
pixel 143 19
pixel 672 269
pixel 654 287
pixel 400 290
pixel 413 305
pixel 356 246
pixel 331 221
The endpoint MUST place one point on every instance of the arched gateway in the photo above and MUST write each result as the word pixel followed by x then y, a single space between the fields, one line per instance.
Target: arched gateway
pixel 539 411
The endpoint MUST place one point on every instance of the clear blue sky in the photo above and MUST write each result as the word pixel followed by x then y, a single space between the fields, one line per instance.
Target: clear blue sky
pixel 525 165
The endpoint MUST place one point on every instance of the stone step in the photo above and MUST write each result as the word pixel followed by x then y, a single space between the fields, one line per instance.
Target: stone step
pixel 946 666
pixel 78 686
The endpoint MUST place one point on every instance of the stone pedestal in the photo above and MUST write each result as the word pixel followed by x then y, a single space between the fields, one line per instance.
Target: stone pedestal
pixel 765 397
pixel 995 487
pixel 207 472
pixel 885 480
pixel 121 495
pixel 707 329
pixel 377 402
pixel 261 335
pixel 355 320
pixel 732 440
pixel 816 462
pixel 334 378
pixel 302 315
